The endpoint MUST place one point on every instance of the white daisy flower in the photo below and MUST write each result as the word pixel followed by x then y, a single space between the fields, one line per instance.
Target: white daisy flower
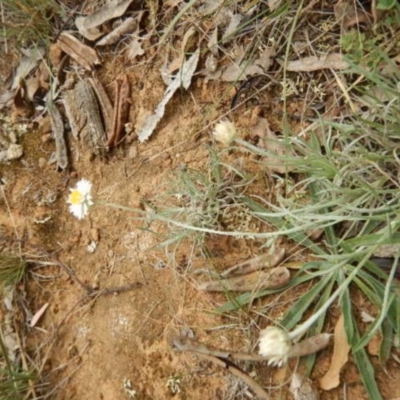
pixel 225 132
pixel 275 345
pixel 80 199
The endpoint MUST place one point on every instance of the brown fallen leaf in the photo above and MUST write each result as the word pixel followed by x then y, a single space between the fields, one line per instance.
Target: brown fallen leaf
pixel 82 54
pixel 313 63
pixel 350 14
pixel 89 26
pixel 241 69
pixel 121 111
pixel 278 153
pixel 341 350
pixel 276 277
pixel 262 262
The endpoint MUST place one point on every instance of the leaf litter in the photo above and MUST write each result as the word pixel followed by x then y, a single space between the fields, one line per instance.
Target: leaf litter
pixel 100 24
pixel 182 78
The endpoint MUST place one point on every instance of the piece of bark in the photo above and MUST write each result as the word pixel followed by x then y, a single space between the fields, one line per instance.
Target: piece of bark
pixel 82 54
pixel 258 263
pixel 104 101
pixel 84 116
pixel 121 111
pixel 57 127
pixel 260 280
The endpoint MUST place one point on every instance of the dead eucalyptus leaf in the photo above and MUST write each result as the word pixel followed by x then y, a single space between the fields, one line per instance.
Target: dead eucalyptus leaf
pixel 182 78
pixel 104 14
pixel 82 54
pixel 234 22
pixel 276 160
pixel 121 110
pixel 302 388
pixel 350 14
pixel 341 350
pixel 273 4
pixel 313 63
pixel 129 25
pixel 6 98
pixel 213 42
pixel 177 62
pixel 262 262
pixel 240 69
pixel 274 278
pixel 91 34
pixel 29 61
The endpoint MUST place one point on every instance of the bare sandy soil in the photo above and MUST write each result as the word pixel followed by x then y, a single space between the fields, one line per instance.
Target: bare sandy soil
pixel 96 343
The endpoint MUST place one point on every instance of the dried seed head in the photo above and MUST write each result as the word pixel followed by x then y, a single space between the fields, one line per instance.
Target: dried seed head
pixel 275 345
pixel 225 132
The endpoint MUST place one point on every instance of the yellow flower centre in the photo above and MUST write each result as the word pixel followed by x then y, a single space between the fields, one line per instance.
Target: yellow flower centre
pixel 75 197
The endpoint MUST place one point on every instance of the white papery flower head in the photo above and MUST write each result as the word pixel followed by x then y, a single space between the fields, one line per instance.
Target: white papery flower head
pixel 275 345
pixel 225 132
pixel 80 199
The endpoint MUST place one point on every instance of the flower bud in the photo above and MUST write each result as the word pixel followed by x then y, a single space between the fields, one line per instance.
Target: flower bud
pixel 225 132
pixel 275 345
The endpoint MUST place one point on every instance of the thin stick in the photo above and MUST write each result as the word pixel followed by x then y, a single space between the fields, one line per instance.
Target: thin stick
pixel 233 369
pixel 307 346
pixel 4 28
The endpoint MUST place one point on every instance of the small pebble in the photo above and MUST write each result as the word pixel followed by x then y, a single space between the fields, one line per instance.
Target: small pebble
pixel 45 138
pixel 42 162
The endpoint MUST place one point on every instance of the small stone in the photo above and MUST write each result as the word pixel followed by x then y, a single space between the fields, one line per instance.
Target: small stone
pixel 45 138
pixel 136 202
pixel 133 152
pixel 14 151
pixel 42 162
pixel 95 234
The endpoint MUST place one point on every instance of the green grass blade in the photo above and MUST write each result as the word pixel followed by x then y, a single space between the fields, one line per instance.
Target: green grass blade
pixel 295 314
pixel 366 371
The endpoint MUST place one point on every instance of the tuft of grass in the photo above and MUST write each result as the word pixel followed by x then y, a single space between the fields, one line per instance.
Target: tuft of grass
pixel 343 181
pixel 206 199
pixel 12 269
pixel 14 382
pixel 29 22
